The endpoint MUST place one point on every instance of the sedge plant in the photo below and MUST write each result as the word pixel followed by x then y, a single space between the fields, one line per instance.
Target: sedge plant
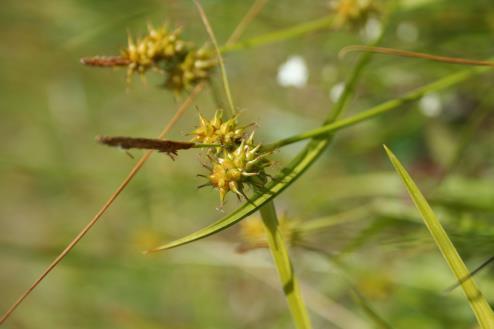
pixel 235 163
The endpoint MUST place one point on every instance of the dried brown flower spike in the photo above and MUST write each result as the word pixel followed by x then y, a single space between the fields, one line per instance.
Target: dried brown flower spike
pixel 166 146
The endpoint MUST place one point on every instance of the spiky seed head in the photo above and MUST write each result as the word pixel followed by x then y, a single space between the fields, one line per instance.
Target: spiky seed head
pixel 218 131
pixel 197 66
pixel 234 169
pixel 159 44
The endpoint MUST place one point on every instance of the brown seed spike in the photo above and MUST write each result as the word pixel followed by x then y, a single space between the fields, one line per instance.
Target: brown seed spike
pixel 165 146
pixel 105 61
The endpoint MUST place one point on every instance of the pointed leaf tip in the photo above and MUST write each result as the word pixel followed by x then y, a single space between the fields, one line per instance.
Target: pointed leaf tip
pixel 478 303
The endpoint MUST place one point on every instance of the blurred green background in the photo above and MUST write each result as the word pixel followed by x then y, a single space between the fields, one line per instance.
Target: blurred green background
pixel 54 176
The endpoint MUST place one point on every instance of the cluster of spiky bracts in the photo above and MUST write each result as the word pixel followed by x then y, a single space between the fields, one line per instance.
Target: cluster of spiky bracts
pixel 353 13
pixel 236 161
pixel 183 63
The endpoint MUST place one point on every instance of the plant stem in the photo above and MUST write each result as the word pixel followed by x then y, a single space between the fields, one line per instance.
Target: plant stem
pixel 291 287
pixel 280 35
pixel 331 127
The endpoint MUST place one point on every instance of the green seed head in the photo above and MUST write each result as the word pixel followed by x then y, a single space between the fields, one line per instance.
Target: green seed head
pixel 234 169
pixel 159 44
pixel 217 131
pixel 195 67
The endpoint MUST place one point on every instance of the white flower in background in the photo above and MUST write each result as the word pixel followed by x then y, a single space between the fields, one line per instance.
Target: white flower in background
pixel 431 105
pixel 293 73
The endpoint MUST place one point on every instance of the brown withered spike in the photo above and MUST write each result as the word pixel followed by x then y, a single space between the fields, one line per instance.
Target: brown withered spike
pixel 126 143
pixel 105 61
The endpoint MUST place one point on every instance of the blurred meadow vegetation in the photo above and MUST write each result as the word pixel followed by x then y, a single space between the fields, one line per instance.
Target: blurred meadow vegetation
pixel 372 264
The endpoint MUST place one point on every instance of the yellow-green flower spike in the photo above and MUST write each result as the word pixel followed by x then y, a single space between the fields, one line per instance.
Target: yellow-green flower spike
pixel 234 169
pixel 159 44
pixel 195 67
pixel 217 131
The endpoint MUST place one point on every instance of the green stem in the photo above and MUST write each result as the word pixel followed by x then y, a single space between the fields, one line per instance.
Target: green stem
pixel 280 35
pixel 291 286
pixel 331 127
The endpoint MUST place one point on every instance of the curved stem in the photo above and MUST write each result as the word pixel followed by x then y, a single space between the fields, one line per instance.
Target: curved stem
pixel 290 283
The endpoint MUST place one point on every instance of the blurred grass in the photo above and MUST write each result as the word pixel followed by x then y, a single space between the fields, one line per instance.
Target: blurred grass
pixel 54 176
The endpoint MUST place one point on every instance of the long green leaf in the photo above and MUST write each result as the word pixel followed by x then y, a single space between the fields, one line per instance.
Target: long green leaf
pixel 478 303
pixel 290 283
pixel 447 81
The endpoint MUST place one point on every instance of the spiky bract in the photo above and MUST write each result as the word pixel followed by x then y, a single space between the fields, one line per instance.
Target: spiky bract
pixel 237 161
pixel 218 131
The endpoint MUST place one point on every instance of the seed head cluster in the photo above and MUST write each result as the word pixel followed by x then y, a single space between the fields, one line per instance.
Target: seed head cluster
pixel 158 45
pixel 237 161
pixel 183 64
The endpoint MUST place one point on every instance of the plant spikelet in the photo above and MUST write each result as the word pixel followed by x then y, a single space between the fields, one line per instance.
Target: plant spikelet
pixel 158 45
pixel 182 63
pixel 237 162
pixel 196 66
pixel 218 131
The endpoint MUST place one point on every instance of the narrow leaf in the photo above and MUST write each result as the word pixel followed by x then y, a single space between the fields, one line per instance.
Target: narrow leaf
pixel 477 301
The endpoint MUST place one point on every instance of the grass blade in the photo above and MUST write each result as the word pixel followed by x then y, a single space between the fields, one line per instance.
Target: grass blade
pixel 478 303
pixel 446 82
pixel 290 284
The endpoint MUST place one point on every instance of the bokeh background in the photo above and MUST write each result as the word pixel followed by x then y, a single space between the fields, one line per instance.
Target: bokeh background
pixel 54 176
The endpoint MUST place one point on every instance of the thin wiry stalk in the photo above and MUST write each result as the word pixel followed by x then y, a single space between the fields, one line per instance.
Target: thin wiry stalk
pixel 412 54
pixel 196 91
pixel 254 10
pixel 224 76
pixel 330 128
pixel 181 110
pixel 289 281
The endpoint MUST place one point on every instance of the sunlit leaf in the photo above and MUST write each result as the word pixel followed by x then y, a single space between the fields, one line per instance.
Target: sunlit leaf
pixel 477 301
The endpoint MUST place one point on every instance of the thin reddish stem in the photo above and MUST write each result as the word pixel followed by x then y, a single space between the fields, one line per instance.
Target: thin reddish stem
pixel 406 53
pixel 181 110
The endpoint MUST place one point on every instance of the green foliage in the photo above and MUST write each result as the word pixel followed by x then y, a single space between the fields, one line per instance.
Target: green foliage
pixel 477 301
